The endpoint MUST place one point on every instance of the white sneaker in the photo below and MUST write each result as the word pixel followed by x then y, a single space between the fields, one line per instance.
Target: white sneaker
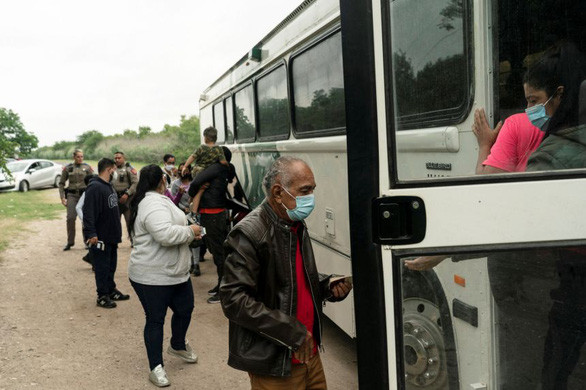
pixel 187 356
pixel 158 377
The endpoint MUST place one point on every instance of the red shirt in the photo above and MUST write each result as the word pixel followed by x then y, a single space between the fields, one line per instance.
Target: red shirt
pixel 517 139
pixel 305 310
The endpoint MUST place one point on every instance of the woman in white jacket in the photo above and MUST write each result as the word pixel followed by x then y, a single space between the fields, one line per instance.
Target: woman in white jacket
pixel 159 269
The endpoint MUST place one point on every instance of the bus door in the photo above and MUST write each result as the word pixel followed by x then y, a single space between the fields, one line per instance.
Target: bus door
pixel 469 262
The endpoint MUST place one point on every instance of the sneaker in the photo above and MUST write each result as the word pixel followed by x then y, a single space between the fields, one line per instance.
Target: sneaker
pixel 196 270
pixel 213 291
pixel 214 299
pixel 187 355
pixel 105 302
pixel 118 296
pixel 158 377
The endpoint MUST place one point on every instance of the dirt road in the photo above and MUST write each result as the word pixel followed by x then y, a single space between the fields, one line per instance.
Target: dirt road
pixel 52 335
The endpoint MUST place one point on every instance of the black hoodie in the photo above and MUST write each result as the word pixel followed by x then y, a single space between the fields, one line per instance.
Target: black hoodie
pixel 101 216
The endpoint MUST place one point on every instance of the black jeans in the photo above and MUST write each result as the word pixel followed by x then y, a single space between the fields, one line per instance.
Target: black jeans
pixel 216 232
pixel 105 262
pixel 155 300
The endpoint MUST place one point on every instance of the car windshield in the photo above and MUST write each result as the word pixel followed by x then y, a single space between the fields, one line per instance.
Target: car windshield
pixel 17 166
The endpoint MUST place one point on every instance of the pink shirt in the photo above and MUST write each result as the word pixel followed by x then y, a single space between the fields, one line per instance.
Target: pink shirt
pixel 516 141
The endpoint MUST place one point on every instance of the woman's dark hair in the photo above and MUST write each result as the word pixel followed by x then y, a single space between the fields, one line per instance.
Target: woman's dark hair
pixel 188 175
pixel 149 179
pixel 562 65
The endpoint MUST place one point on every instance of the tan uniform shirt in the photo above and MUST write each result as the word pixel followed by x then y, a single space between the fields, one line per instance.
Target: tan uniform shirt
pixel 127 179
pixel 75 174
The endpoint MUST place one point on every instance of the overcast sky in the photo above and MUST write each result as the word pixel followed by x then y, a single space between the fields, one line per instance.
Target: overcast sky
pixel 68 66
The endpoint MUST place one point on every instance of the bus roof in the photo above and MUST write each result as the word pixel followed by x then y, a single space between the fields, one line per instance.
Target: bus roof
pixel 268 37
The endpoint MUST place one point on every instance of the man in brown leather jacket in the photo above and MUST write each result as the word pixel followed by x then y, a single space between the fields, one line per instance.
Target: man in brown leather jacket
pixel 271 291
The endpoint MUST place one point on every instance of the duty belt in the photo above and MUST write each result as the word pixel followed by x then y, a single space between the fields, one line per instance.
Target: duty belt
pixel 75 192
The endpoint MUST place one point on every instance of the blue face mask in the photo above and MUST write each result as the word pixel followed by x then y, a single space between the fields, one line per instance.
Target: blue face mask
pixel 537 114
pixel 303 206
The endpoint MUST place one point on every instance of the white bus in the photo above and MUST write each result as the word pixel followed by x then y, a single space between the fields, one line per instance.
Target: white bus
pixel 379 96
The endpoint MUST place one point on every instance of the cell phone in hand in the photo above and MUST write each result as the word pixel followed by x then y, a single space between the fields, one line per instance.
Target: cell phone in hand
pixel 339 279
pixel 203 231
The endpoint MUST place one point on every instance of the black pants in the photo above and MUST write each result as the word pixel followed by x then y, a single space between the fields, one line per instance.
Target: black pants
pixel 105 262
pixel 216 232
pixel 155 300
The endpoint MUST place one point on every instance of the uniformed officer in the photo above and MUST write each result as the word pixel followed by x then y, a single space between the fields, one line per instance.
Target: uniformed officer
pixel 124 183
pixel 74 172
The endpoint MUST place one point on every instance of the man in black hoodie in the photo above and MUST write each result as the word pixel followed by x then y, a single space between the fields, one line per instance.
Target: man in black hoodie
pixel 102 229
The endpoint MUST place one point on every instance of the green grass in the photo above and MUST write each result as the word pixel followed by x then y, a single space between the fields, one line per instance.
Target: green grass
pixel 18 207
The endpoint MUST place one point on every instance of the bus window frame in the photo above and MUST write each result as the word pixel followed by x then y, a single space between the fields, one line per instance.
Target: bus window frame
pixel 256 78
pixel 224 99
pixel 464 111
pixel 248 82
pixel 395 183
pixel 214 104
pixel 308 46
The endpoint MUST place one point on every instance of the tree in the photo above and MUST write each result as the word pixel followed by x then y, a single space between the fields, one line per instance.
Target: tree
pixel 143 131
pixel 130 133
pixel 14 139
pixel 90 140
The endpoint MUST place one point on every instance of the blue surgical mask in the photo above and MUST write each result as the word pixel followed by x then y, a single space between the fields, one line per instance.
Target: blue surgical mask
pixel 537 114
pixel 303 206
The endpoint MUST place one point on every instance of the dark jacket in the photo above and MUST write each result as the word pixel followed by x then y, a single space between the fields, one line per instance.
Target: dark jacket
pixel 215 195
pixel 101 216
pixel 565 149
pixel 259 293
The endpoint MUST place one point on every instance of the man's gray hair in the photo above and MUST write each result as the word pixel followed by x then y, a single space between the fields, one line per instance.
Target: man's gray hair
pixel 279 172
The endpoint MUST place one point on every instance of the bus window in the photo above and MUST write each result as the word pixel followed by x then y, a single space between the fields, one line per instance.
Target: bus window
pixel 539 311
pixel 273 105
pixel 318 88
pixel 229 120
pixel 244 110
pixel 431 64
pixel 219 121
pixel 206 118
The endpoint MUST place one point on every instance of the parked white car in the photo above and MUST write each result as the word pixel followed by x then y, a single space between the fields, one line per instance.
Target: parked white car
pixel 29 174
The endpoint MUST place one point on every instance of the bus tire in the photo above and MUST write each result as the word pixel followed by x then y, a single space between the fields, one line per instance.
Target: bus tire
pixel 428 338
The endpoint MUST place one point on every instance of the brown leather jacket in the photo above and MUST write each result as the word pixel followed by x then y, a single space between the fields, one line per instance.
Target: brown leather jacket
pixel 259 293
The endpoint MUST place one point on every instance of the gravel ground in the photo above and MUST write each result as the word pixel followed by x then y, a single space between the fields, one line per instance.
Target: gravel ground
pixel 52 335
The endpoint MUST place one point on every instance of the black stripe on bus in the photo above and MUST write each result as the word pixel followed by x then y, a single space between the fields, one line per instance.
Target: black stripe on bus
pixel 362 141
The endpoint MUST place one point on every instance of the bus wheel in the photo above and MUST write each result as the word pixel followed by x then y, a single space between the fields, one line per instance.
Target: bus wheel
pixel 423 342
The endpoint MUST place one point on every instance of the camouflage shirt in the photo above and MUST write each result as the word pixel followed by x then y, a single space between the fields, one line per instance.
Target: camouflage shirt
pixel 205 155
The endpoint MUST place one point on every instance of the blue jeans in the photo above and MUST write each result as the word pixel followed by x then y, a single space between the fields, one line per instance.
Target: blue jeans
pixel 105 262
pixel 155 300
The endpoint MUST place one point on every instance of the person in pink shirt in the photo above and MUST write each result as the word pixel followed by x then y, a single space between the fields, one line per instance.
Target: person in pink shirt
pixel 508 147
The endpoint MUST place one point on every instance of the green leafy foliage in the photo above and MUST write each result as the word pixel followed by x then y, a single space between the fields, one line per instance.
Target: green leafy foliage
pixel 142 145
pixel 14 139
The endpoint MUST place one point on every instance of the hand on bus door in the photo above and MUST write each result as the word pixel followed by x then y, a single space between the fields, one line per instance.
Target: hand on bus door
pixel 485 136
pixel 303 354
pixel 424 263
